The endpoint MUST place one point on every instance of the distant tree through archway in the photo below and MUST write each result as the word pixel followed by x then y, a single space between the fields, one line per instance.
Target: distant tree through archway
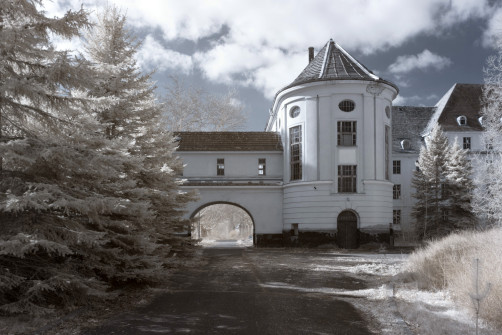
pixel 222 222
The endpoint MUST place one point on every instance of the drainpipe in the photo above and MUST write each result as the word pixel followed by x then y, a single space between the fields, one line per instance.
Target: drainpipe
pixel 318 138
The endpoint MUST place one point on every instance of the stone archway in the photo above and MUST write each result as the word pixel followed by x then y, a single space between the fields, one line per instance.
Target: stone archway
pixel 347 233
pixel 223 221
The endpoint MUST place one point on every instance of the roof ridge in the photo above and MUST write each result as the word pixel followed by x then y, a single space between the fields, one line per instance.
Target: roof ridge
pixel 369 73
pixel 324 61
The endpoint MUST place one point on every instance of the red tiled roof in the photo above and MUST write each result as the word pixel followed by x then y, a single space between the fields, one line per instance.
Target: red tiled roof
pixel 228 141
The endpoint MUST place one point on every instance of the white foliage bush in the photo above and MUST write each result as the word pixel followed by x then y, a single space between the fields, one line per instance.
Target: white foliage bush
pixel 449 264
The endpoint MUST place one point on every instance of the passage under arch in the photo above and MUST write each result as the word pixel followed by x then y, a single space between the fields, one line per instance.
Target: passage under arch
pixel 222 222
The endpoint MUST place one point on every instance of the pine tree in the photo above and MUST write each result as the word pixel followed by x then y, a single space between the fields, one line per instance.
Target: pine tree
pixel 443 188
pixel 135 119
pixel 78 211
pixel 40 200
pixel 429 181
pixel 460 189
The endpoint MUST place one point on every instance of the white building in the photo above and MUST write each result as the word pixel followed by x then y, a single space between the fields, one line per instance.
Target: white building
pixel 335 160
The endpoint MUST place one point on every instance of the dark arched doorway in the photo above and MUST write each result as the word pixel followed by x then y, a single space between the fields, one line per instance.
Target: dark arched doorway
pixel 347 234
pixel 218 222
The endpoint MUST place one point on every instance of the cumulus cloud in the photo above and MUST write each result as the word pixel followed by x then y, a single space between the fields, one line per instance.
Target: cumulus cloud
pixel 153 55
pixel 261 32
pixel 494 28
pixel 421 61
pixel 266 69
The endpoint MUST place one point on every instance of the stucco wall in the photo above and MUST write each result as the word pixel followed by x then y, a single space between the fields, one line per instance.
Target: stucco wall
pixel 237 164
pixel 263 203
pixel 313 201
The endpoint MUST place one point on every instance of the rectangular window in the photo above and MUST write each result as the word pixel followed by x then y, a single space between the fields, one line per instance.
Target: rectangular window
pixel 220 166
pixel 467 142
pixel 396 167
pixel 262 166
pixel 347 179
pixel 444 214
pixel 295 143
pixel 396 191
pixel 346 133
pixel 396 216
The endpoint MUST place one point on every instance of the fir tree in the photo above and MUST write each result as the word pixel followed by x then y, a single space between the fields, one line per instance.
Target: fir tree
pixel 135 118
pixel 443 188
pixel 79 213
pixel 40 202
pixel 459 189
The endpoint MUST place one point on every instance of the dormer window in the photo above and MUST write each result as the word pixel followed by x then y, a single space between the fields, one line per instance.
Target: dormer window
pixel 480 120
pixel 462 120
pixel 405 145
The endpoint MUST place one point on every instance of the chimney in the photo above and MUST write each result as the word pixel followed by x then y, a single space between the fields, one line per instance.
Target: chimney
pixel 311 54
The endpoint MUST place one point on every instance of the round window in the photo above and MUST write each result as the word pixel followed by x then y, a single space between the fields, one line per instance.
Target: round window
pixel 294 112
pixel 387 111
pixel 347 105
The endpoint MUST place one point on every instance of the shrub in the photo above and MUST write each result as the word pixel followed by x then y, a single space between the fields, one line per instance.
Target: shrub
pixel 449 264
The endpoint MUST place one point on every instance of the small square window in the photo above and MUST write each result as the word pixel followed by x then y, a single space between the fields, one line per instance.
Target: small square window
pixel 347 133
pixel 220 167
pixel 262 166
pixel 347 179
pixel 467 143
pixel 396 167
pixel 445 215
pixel 396 191
pixel 396 216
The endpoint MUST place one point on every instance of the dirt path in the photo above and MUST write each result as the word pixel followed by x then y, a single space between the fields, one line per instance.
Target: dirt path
pixel 248 291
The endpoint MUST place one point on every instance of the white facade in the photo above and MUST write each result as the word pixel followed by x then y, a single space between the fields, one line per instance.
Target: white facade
pixel 314 201
pixel 333 168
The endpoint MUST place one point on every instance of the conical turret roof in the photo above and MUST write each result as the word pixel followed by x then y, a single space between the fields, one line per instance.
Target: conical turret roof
pixel 332 62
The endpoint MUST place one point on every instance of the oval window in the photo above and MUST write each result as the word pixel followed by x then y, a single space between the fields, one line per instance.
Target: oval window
pixel 347 105
pixel 294 112
pixel 387 112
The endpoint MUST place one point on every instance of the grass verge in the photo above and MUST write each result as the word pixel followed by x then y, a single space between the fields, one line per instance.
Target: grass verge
pixel 449 264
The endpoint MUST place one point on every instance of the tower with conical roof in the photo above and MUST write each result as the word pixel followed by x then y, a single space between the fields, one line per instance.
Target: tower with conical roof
pixel 335 123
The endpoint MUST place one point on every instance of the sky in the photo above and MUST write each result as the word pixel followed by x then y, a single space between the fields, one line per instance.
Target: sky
pixel 257 47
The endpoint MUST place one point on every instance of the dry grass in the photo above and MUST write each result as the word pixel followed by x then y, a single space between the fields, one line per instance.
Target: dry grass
pixel 449 264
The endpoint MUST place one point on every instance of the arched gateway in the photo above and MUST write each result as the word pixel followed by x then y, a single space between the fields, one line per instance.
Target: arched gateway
pixel 223 221
pixel 327 146
pixel 347 233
